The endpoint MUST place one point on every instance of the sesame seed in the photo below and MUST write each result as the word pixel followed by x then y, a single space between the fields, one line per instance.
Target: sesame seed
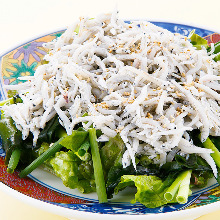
pixel 127 93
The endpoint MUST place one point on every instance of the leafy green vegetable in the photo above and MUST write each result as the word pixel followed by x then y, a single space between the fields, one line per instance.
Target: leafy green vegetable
pixel 217 58
pixel 216 154
pixel 97 165
pixel 12 140
pixel 51 132
pixel 200 42
pixel 44 147
pixel 82 152
pixel 75 140
pixel 86 170
pixel 13 99
pixel 145 161
pixel 125 182
pixel 12 93
pixel 72 141
pixel 180 187
pixel 194 162
pixel 14 159
pixel 16 98
pixel 197 41
pixel 153 192
pixel 86 186
pixel 115 173
pixel 65 166
pixel 111 153
pixel 11 137
pixel 73 172
pixel 149 191
pixel 42 158
pixel 200 179
pixel 86 177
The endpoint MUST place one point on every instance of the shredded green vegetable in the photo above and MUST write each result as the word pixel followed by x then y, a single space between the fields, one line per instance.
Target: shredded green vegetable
pixel 179 187
pixel 184 191
pixel 97 165
pixel 14 159
pixel 43 157
pixel 216 154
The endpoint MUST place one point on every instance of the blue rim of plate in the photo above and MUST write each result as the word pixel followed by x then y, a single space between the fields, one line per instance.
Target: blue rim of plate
pixel 122 208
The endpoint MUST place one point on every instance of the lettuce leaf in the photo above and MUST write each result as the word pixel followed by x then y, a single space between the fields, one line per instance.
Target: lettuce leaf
pixel 111 153
pixel 83 153
pixel 197 41
pixel 150 189
pixel 73 172
pixel 65 166
pixel 86 186
pixel 75 140
pixel 153 192
pixel 116 172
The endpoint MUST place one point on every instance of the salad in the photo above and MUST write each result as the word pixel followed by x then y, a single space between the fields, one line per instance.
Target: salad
pixel 117 105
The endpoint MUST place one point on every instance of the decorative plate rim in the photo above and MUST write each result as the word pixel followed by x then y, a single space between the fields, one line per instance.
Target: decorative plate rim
pixel 170 21
pixel 70 213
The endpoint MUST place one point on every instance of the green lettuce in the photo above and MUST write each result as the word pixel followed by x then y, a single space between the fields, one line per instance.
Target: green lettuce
pixel 197 41
pixel 74 167
pixel 73 164
pixel 111 153
pixel 150 190
pixel 75 140
pixel 65 166
pixel 73 172
pixel 86 186
pixel 83 153
pixel 153 192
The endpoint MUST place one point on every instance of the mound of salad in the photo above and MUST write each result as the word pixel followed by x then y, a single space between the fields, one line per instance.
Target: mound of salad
pixel 118 105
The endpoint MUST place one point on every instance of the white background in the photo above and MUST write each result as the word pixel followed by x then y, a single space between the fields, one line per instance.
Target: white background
pixel 24 19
